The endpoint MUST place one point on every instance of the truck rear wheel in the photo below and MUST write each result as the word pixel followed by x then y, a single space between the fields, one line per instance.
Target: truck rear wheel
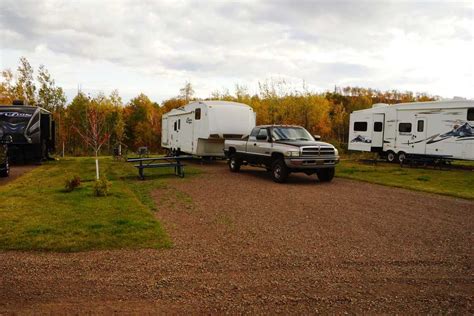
pixel 280 171
pixel 326 175
pixel 234 163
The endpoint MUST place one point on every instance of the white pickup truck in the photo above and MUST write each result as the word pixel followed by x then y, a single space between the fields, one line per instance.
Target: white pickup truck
pixel 283 149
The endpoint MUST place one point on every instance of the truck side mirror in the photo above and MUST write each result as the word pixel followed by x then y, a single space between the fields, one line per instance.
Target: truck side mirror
pixel 317 137
pixel 262 137
pixel 7 139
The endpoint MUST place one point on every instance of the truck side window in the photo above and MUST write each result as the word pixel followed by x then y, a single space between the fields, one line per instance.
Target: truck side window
pixel 470 114
pixel 420 126
pixel 197 114
pixel 263 133
pixel 254 133
pixel 360 126
pixel 404 128
pixel 378 126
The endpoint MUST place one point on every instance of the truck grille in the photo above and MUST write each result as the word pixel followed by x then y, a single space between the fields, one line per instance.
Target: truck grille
pixel 317 151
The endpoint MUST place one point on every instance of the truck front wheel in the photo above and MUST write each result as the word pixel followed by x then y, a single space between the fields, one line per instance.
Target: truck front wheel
pixel 234 163
pixel 280 171
pixel 326 175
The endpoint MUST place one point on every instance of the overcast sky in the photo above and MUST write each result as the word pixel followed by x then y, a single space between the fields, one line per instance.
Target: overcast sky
pixel 154 47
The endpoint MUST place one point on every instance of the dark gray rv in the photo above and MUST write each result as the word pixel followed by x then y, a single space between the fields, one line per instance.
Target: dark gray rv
pixel 32 132
pixel 4 165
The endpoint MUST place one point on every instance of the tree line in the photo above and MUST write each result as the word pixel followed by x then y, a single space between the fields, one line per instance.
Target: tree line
pixel 138 122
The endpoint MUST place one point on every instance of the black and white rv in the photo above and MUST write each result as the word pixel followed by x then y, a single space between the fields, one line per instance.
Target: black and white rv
pixel 32 132
pixel 443 129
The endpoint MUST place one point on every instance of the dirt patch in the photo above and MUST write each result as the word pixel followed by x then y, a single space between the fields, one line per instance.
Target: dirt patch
pixel 15 172
pixel 245 244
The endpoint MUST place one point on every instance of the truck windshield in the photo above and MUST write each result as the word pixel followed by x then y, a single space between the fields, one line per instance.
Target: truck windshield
pixel 291 133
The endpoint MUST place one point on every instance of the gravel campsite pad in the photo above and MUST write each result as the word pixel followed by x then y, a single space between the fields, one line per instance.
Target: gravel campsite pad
pixel 15 172
pixel 243 243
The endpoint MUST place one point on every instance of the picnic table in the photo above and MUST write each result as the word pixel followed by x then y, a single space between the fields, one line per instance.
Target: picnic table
pixel 160 162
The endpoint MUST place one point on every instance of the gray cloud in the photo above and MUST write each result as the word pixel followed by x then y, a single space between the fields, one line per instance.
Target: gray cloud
pixel 325 42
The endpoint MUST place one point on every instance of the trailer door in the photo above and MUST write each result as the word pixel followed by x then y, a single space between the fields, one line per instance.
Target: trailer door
pixel 378 132
pixel 419 136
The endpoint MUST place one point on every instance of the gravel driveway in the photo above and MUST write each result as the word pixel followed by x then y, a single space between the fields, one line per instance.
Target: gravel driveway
pixel 15 172
pixel 246 244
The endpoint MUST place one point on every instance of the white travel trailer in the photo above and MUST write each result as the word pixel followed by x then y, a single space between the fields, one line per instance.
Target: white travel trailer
pixel 439 129
pixel 201 127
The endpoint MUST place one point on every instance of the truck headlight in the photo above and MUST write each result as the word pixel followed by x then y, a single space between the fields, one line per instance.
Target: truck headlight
pixel 292 154
pixel 336 152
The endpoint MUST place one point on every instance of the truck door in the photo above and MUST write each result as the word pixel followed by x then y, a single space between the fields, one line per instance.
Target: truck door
pixel 378 132
pixel 419 136
pixel 251 150
pixel 263 146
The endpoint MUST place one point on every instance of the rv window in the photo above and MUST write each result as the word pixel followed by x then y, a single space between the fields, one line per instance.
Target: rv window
pixel 179 124
pixel 404 128
pixel 421 126
pixel 360 126
pixel 175 126
pixel 378 126
pixel 470 114
pixel 197 114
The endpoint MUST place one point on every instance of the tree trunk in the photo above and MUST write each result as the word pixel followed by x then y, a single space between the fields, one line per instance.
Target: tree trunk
pixel 96 166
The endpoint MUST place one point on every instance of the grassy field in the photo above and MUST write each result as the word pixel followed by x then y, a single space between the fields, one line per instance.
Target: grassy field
pixel 458 183
pixel 36 213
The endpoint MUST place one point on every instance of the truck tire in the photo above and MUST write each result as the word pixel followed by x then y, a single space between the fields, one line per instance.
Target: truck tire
pixel 280 171
pixel 326 175
pixel 234 163
pixel 5 169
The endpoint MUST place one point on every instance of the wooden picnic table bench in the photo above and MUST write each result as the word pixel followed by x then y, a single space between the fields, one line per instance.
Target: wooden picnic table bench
pixel 155 162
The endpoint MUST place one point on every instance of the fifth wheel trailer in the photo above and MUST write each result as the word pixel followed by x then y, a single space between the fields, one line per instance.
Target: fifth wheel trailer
pixel 438 129
pixel 32 130
pixel 201 127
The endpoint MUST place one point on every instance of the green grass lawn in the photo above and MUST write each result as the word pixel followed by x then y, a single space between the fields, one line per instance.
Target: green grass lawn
pixel 36 213
pixel 458 183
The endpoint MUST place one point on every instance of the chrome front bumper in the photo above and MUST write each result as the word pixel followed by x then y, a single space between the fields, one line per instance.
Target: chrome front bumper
pixel 311 162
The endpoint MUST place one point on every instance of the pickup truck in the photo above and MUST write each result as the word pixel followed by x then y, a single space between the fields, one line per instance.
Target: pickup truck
pixel 4 165
pixel 283 149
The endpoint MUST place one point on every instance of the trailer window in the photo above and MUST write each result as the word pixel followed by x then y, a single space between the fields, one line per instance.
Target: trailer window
pixel 404 128
pixel 378 126
pixel 179 124
pixel 175 126
pixel 197 114
pixel 470 114
pixel 420 126
pixel 360 126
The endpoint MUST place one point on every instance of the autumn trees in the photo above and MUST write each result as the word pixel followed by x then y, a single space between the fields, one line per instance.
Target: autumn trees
pixel 138 122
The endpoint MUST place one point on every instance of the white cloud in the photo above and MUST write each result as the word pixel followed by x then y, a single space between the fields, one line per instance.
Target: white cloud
pixel 153 47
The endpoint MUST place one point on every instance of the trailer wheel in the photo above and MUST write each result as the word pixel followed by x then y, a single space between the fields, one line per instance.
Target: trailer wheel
pixel 391 156
pixel 326 174
pixel 401 157
pixel 280 171
pixel 234 163
pixel 6 169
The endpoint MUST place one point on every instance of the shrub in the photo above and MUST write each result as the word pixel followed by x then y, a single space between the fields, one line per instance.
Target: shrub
pixel 102 186
pixel 71 183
